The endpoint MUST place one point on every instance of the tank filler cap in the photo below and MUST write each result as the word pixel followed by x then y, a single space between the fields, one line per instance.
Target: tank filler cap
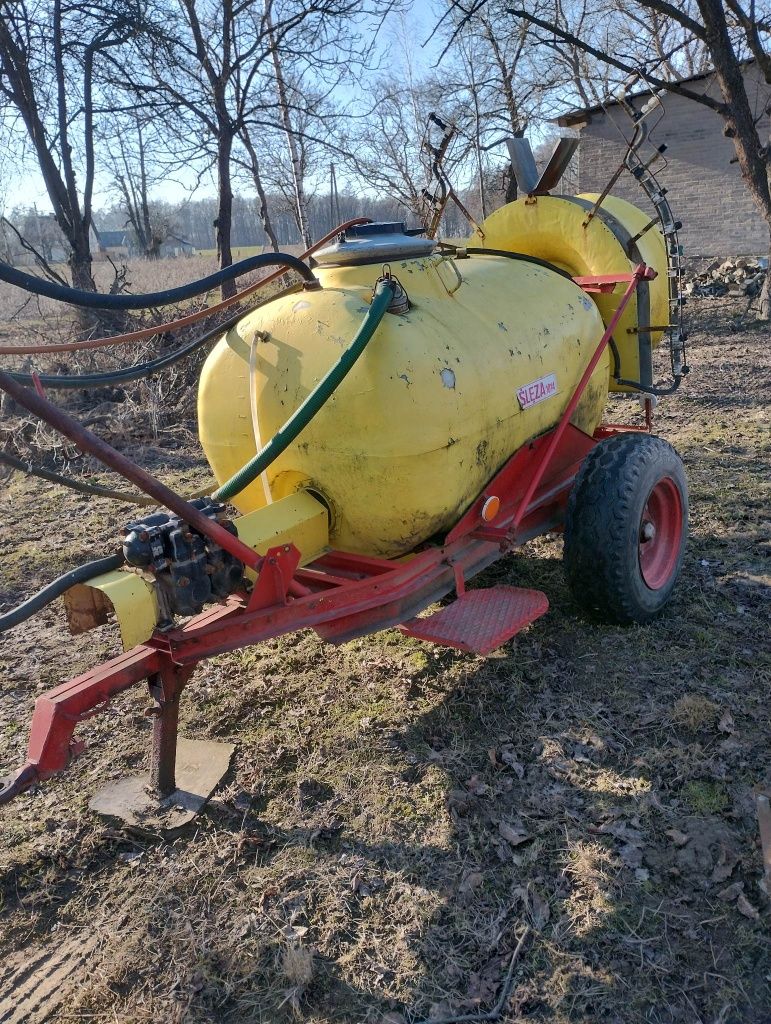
pixel 373 243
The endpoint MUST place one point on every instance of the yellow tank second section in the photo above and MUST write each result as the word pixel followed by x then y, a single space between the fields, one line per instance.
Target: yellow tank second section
pixel 556 229
pixel 430 411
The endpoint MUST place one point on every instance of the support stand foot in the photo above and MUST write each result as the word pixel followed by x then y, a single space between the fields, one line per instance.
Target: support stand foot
pixel 200 767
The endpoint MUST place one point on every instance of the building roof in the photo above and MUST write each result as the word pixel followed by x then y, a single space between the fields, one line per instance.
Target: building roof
pixel 113 239
pixel 572 117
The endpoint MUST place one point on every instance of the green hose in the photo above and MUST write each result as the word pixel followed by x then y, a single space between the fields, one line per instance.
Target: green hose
pixel 301 417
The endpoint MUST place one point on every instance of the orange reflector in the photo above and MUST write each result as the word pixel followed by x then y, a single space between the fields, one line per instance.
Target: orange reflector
pixel 491 508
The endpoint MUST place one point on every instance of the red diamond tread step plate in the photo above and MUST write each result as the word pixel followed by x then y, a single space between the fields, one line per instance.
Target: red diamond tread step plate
pixel 480 620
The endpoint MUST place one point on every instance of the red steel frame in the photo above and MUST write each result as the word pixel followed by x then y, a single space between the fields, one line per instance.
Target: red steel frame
pixel 340 595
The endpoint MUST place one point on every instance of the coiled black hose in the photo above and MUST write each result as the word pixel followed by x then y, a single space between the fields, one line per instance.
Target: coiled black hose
pixel 56 588
pixel 139 370
pixel 97 300
pixel 126 373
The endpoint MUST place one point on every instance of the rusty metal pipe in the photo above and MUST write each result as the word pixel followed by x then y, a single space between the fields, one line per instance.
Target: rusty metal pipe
pixel 88 442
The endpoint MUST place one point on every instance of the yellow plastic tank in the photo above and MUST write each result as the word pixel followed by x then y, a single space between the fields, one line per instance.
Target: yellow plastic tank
pixel 557 229
pixel 486 359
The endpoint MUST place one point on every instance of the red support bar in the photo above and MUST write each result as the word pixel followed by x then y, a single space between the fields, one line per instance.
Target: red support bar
pixel 603 282
pixel 361 565
pixel 316 579
pixel 89 442
pixel 58 712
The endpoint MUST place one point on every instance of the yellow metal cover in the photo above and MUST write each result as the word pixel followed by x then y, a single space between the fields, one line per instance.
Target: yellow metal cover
pixel 130 597
pixel 298 519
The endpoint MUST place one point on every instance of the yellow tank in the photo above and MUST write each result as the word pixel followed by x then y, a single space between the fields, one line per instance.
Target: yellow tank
pixel 486 359
pixel 555 228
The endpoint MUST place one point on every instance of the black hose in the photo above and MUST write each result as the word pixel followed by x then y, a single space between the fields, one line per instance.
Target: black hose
pixel 648 389
pixel 140 370
pixel 96 300
pixel 521 256
pixel 127 373
pixel 56 588
pixel 76 485
pixel 616 358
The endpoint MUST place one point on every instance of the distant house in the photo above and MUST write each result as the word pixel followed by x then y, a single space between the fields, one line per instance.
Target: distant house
pixel 173 245
pixel 115 243
pixel 704 184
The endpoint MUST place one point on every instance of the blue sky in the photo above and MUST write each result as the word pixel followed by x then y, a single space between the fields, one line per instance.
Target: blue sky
pixel 402 40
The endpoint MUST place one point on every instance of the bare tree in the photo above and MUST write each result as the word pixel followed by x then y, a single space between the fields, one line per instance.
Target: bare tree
pixel 503 78
pixel 217 80
pixel 252 165
pixel 298 153
pixel 721 31
pixel 384 146
pixel 127 159
pixel 49 55
pixel 293 142
pixel 326 54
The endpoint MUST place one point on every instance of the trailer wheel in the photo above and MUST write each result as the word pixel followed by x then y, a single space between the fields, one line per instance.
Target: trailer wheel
pixel 625 528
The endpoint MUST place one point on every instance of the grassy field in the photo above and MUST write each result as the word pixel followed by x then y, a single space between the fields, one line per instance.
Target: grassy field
pixel 241 252
pixel 397 814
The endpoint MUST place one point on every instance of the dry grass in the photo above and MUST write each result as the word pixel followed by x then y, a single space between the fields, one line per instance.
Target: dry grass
pixel 691 711
pixel 354 867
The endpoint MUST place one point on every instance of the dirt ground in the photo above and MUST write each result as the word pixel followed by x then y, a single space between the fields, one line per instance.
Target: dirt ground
pixel 397 814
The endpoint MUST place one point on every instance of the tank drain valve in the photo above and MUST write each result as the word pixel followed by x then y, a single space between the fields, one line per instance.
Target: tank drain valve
pixel 400 303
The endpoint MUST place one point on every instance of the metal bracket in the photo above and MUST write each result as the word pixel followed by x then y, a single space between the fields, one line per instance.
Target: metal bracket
pixel 273 583
pixel 524 167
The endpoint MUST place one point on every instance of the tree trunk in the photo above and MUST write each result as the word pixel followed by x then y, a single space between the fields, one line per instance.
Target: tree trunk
pixel 740 123
pixel 511 186
pixel 264 215
pixel 764 302
pixel 224 221
pixel 152 245
pixel 301 200
pixel 262 206
pixel 80 266
pixel 80 261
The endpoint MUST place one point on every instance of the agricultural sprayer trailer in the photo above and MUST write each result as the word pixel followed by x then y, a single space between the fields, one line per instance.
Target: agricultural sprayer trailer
pixel 404 416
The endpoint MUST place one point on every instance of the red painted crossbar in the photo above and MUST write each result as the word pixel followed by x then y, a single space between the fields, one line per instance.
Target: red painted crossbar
pixel 602 282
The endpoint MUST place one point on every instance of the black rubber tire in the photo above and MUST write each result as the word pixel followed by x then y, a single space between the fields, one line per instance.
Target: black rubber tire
pixel 603 526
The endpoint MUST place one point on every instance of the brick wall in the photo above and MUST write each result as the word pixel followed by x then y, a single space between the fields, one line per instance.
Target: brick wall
pixel 706 190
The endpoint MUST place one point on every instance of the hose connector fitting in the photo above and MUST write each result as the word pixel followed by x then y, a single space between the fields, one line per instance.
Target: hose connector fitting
pixel 400 303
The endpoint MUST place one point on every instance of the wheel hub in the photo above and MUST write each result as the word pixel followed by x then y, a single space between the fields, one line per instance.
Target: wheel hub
pixel 661 534
pixel 648 531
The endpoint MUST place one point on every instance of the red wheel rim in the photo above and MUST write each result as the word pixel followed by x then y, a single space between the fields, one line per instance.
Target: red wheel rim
pixel 661 534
